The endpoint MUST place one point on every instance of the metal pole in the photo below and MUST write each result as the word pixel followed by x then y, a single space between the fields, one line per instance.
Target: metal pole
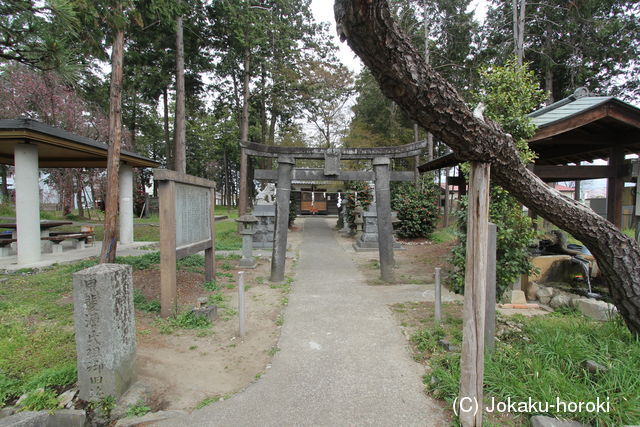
pixel 241 303
pixel 438 297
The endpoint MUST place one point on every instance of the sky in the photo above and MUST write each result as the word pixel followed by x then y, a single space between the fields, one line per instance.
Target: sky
pixel 323 12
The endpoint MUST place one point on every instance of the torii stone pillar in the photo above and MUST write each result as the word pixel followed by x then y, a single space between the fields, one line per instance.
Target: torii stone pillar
pixel 27 203
pixel 125 182
pixel 279 254
pixel 385 227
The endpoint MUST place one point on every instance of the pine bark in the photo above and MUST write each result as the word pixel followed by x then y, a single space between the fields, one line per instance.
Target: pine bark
pixel 110 240
pixel 432 102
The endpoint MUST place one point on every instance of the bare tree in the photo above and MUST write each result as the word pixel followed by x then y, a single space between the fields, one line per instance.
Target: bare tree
pixel 519 7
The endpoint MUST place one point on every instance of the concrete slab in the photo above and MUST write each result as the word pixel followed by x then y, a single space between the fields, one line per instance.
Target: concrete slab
pixel 69 254
pixel 342 359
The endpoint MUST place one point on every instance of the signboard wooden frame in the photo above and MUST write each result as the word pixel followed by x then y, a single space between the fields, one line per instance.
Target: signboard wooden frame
pixel 169 184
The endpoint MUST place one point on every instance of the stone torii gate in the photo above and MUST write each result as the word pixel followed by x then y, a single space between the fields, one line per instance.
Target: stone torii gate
pixel 382 175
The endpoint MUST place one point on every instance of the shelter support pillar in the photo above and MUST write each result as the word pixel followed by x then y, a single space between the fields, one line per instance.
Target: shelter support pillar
pixel 383 207
pixel 615 187
pixel 126 203
pixel 27 203
pixel 278 259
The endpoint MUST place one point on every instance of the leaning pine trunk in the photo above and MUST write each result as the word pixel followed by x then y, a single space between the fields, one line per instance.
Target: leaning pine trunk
pixel 435 105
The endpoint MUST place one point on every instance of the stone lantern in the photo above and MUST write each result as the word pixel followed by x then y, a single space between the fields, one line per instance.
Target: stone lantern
pixel 247 230
pixel 358 221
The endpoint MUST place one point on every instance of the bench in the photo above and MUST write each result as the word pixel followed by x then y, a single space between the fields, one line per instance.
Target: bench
pixel 80 239
pixel 5 246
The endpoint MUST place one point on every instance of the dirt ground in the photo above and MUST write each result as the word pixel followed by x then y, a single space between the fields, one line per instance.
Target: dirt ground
pixel 415 264
pixel 183 368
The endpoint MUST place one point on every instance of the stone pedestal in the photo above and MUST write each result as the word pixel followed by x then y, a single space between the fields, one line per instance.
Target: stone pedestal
pixel 265 227
pixel 369 239
pixel 105 330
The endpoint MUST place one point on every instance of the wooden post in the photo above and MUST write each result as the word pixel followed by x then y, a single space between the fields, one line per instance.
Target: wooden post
pixel 615 186
pixel 490 315
pixel 210 254
pixel 167 196
pixel 445 217
pixel 469 404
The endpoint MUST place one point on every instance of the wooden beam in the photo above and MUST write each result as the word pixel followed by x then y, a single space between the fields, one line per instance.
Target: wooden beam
pixel 169 175
pixel 193 248
pixel 615 186
pixel 571 173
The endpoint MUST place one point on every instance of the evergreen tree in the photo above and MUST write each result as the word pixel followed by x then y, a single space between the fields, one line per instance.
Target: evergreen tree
pixel 592 43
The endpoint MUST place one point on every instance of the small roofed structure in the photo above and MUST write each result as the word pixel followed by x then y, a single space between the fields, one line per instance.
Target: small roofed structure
pixel 28 145
pixel 580 128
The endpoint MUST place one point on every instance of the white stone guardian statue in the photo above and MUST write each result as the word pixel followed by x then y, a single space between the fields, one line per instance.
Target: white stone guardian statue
pixel 267 196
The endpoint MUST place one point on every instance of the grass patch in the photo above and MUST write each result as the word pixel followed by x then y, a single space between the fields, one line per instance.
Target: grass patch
pixel 7 209
pixel 39 400
pixel 231 212
pixel 543 360
pixel 153 218
pixel 37 346
pixel 227 237
pixel 443 235
pixel 185 320
pixel 140 302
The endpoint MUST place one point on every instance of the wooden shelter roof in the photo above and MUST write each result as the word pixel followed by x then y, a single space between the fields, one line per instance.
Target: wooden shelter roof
pixel 584 128
pixel 58 148
pixel 575 129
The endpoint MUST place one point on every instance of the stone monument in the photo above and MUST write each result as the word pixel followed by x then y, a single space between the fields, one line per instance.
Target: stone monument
pixel 368 241
pixel 105 330
pixel 265 212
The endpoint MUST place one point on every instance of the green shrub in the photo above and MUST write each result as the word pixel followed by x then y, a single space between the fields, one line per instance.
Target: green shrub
pixel 364 196
pixel 509 93
pixel 293 210
pixel 138 410
pixel 417 210
pixel 514 233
